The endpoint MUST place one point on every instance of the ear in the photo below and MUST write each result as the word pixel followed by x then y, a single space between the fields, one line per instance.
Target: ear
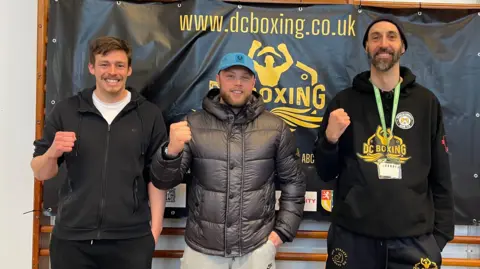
pixel 91 68
pixel 218 78
pixel 129 71
pixel 403 48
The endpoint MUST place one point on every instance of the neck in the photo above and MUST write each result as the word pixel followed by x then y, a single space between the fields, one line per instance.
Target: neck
pixel 387 80
pixel 107 97
pixel 234 109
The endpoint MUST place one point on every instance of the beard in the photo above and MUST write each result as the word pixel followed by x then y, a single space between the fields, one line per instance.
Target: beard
pixel 238 102
pixel 383 64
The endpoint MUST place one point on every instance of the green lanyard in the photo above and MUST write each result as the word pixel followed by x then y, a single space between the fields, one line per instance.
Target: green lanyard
pixel 382 115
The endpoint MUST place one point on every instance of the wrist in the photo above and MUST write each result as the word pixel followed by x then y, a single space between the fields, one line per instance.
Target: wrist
pixel 330 138
pixel 50 156
pixel 171 151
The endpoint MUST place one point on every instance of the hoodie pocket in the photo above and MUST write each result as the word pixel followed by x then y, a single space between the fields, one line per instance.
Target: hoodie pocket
pixel 135 195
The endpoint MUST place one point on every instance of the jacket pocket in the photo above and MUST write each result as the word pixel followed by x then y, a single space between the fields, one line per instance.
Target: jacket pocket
pixel 74 210
pixel 135 195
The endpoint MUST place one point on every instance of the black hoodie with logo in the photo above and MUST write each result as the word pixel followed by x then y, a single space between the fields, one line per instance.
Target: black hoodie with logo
pixel 104 195
pixel 419 203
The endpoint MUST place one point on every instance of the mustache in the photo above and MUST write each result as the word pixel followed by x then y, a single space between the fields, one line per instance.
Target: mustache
pixel 384 50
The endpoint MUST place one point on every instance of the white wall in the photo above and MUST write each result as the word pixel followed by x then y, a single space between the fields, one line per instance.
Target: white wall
pixel 18 20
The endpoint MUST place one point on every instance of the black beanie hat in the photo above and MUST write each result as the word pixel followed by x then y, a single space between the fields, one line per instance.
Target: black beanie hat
pixel 390 19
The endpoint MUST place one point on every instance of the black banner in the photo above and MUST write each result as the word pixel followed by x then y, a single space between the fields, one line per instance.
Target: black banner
pixel 304 55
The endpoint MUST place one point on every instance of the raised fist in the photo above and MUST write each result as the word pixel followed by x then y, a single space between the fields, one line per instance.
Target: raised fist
pixel 337 124
pixel 63 142
pixel 179 135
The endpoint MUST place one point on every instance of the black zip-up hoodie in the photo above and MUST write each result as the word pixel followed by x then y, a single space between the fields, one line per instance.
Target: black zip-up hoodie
pixel 419 203
pixel 105 193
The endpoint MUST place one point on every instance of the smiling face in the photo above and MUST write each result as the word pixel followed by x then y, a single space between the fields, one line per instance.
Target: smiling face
pixel 236 85
pixel 384 46
pixel 111 71
pixel 110 62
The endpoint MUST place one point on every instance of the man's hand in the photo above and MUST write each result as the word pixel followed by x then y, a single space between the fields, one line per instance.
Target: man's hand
pixel 338 122
pixel 275 239
pixel 63 142
pixel 179 135
pixel 156 235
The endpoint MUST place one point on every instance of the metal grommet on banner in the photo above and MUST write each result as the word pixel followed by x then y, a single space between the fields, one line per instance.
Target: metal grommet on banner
pixel 478 54
pixel 419 9
pixel 360 7
pixel 54 40
pixel 477 115
pixel 475 175
pixel 239 6
pixel 119 2
pixel 172 212
pixel 179 5
pixel 52 102
pixel 475 222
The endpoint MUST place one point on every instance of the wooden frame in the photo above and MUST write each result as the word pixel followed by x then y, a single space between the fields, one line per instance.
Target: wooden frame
pixel 40 116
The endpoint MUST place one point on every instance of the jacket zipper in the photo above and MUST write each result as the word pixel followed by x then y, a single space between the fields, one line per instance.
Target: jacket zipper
pixel 104 185
pixel 228 183
pixel 241 189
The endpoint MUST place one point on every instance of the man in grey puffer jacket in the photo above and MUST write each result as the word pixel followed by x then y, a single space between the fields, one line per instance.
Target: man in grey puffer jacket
pixel 236 151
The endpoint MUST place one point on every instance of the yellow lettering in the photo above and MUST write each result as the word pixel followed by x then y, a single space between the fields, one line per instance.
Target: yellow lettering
pixel 308 158
pixel 365 148
pixel 280 95
pixel 340 31
pixel 315 24
pixel 303 96
pixel 403 149
pixel 244 25
pixel 266 94
pixel 234 23
pixel 264 25
pixel 318 96
pixel 288 26
pixel 325 27
pixel 300 23
pixel 253 23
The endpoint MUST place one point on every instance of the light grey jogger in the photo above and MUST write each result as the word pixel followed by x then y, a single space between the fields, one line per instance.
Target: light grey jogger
pixel 261 258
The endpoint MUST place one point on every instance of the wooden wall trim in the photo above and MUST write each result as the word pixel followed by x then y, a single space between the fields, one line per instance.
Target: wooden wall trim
pixel 295 256
pixel 42 20
pixel 474 240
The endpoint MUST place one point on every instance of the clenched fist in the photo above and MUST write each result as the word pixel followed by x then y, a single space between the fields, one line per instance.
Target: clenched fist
pixel 63 142
pixel 337 124
pixel 179 135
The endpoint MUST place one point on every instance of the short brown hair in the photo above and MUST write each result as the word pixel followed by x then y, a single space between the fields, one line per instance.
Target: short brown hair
pixel 106 44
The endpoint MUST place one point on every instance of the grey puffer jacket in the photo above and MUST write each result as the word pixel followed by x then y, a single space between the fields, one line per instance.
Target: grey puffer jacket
pixel 234 162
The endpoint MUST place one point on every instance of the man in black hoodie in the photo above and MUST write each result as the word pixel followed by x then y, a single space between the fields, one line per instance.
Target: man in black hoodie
pixel 107 136
pixel 384 141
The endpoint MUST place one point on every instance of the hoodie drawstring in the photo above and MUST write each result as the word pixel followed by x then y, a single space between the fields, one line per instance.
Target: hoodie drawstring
pixel 77 135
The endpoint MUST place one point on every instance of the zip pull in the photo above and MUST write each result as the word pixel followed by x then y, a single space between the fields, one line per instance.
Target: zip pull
pixel 91 243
